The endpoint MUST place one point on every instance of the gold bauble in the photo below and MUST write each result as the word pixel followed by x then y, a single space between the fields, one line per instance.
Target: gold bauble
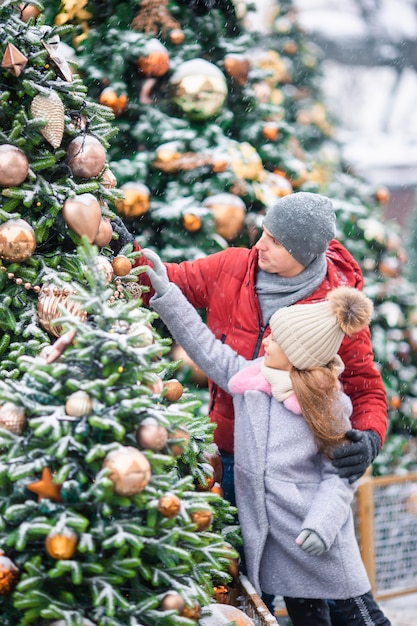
pixel 169 505
pixel 86 157
pixel 179 441
pixel 208 482
pixel 155 60
pixel 202 519
pixel 9 575
pixel 83 215
pixel 17 240
pixel 229 214
pixel 104 234
pixel 245 161
pixel 221 594
pixel 50 300
pixel 176 36
pixel 12 417
pixel 27 11
pixel 172 601
pixel 14 166
pixel 103 265
pixel 121 265
pixel 237 67
pixel 151 435
pixel 116 102
pixel 130 470
pixel 135 201
pixel 199 89
pixel 173 390
pixel 78 404
pixel 191 222
pixel 61 544
pixel 192 612
pixel 216 462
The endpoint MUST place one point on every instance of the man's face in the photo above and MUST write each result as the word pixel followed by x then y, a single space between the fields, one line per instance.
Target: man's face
pixel 274 258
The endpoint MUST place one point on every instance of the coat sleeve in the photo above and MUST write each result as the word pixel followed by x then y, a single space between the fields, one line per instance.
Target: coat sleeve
pixel 330 506
pixel 364 385
pixel 196 279
pixel 217 360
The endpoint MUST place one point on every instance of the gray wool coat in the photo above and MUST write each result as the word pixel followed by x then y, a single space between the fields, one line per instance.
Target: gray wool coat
pixel 283 483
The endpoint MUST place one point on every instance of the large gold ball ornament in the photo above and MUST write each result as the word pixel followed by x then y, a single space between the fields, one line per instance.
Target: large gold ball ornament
pixel 61 544
pixel 172 601
pixel 83 215
pixel 86 157
pixel 50 301
pixel 199 89
pixel 135 201
pixel 130 470
pixel 154 62
pixel 12 417
pixel 169 505
pixel 9 574
pixel 14 165
pixel 151 435
pixel 140 335
pixel 17 240
pixel 78 404
pixel 229 214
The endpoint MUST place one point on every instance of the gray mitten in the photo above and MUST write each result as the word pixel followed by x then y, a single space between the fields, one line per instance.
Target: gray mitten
pixel 311 542
pixel 158 275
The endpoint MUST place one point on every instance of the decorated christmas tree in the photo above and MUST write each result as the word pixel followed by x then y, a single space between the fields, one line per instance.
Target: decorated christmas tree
pixel 109 508
pixel 216 122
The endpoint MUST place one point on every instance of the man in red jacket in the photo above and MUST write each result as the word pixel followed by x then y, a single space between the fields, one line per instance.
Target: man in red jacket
pixel 298 260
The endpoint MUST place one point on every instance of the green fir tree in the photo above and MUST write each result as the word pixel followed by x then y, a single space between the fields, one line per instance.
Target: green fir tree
pixel 199 168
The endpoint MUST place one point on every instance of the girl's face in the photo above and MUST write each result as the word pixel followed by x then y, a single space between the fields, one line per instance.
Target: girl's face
pixel 274 355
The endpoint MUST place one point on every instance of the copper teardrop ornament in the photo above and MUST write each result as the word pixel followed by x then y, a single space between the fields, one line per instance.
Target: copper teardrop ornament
pixel 83 215
pixel 51 109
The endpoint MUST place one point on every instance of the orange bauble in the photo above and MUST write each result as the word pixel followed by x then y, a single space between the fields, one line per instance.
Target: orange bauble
pixel 173 390
pixel 191 222
pixel 135 201
pixel 61 544
pixel 202 519
pixel 110 98
pixel 155 61
pixel 169 505
pixel 229 214
pixel 179 441
pixel 121 265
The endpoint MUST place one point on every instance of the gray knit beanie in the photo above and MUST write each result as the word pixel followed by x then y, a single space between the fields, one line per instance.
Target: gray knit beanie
pixel 304 223
pixel 310 335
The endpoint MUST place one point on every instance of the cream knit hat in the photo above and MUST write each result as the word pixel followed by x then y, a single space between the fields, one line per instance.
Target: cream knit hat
pixel 311 334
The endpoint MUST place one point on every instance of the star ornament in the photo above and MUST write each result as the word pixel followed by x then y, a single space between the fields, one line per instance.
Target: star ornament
pixel 46 488
pixel 13 60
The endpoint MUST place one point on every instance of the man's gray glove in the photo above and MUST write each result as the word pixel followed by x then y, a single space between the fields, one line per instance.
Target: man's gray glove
pixel 353 459
pixel 158 275
pixel 310 542
pixel 124 236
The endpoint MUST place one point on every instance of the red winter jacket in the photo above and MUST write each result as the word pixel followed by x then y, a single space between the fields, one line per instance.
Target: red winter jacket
pixel 224 285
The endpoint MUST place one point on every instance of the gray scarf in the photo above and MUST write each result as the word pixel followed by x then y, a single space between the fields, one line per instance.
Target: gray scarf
pixel 275 292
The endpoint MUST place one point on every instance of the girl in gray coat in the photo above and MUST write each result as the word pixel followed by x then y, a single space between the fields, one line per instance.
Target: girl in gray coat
pixel 294 511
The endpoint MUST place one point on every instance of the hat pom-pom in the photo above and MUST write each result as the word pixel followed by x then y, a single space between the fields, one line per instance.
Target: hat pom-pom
pixel 352 309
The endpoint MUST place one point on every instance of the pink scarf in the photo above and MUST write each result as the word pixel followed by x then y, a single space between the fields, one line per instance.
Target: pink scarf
pixel 251 378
